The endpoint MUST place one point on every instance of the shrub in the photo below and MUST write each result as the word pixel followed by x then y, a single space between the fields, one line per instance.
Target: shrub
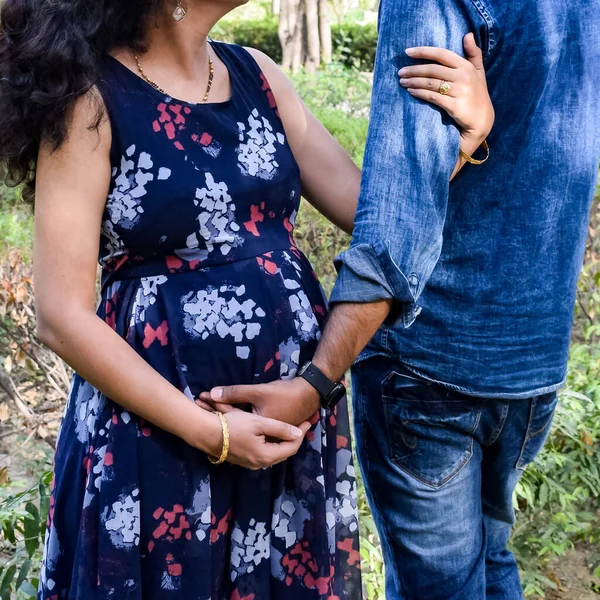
pixel 353 45
pixel 335 88
pixel 559 493
pixel 262 35
pixel 23 522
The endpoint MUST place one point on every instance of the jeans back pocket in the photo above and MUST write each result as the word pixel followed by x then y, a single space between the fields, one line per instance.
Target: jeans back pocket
pixel 430 429
pixel 540 421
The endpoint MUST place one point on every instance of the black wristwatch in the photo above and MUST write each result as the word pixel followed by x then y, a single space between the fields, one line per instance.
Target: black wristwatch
pixel 331 392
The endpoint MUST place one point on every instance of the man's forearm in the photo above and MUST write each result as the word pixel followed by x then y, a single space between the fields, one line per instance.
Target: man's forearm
pixel 349 328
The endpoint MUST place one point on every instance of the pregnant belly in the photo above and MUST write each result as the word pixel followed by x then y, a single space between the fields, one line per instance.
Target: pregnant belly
pixel 250 321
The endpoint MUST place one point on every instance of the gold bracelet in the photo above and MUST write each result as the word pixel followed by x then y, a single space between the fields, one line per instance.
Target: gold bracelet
pixel 474 161
pixel 225 451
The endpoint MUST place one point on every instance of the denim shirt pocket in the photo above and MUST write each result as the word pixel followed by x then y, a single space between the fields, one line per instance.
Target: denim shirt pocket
pixel 429 429
pixel 538 428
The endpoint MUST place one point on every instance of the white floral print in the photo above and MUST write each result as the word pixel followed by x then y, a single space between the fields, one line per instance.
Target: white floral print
pixel 258 146
pixel 249 549
pixel 146 297
pixel 216 219
pixel 124 203
pixel 305 320
pixel 89 403
pixel 289 517
pixel 222 312
pixel 199 513
pixel 123 520
pixel 289 359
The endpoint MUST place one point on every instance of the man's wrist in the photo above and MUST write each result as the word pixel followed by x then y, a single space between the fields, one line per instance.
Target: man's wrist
pixel 330 371
pixel 311 396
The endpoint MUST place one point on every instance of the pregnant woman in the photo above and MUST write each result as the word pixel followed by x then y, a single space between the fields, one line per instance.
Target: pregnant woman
pixel 180 163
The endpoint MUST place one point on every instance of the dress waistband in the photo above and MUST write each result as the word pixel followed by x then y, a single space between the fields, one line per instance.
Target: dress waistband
pixel 128 267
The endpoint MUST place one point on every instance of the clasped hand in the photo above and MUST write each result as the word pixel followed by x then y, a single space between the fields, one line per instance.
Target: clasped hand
pixel 275 428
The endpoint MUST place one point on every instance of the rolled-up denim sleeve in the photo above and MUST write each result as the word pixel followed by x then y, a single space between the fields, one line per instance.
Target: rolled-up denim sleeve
pixel 412 149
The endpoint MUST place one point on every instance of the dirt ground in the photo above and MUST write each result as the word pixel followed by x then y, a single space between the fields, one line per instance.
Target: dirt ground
pixel 573 574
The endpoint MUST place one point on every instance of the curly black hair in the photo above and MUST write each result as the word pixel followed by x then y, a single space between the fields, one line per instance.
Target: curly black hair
pixel 50 52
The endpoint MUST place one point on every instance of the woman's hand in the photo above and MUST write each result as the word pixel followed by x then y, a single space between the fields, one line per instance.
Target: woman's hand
pixel 468 101
pixel 255 442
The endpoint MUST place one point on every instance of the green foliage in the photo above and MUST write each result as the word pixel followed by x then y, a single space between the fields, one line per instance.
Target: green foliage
pixel 350 92
pixel 559 494
pixel 587 325
pixel 334 88
pixel 16 222
pixel 23 523
pixel 370 548
pixel 353 45
pixel 259 34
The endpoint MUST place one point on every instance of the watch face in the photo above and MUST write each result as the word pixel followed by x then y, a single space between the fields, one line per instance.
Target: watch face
pixel 336 394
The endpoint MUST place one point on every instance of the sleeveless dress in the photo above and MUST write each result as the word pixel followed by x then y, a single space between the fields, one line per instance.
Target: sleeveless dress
pixel 202 278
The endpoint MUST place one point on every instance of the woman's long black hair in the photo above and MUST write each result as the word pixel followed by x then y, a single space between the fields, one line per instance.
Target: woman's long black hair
pixel 50 53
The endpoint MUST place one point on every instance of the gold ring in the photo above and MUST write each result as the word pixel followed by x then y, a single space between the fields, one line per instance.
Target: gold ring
pixel 444 88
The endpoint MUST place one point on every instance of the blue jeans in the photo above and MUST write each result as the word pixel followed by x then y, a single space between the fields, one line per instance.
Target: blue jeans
pixel 440 469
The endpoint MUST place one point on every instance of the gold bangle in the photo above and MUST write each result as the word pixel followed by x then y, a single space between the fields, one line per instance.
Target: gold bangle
pixel 225 450
pixel 474 161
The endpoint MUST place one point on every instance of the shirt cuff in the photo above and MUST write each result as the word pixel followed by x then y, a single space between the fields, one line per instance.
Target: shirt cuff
pixel 367 272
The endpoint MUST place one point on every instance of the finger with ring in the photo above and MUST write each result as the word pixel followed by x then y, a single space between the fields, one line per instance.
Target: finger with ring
pixel 445 88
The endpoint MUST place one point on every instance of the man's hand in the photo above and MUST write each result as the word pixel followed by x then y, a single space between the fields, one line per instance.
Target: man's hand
pixel 294 401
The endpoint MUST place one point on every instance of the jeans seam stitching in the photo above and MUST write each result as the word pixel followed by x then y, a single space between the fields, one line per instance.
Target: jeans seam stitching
pixel 527 438
pixel 477 421
pixel 496 433
pixel 489 25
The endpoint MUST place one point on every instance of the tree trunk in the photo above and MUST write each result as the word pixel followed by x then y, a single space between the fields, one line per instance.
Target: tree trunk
pixel 276 7
pixel 313 41
pixel 299 45
pixel 290 31
pixel 304 33
pixel 325 32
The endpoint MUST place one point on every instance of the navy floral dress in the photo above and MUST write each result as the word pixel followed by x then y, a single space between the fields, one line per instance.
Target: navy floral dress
pixel 201 276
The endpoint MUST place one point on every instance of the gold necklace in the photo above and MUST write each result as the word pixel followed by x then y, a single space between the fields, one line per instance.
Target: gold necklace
pixel 211 75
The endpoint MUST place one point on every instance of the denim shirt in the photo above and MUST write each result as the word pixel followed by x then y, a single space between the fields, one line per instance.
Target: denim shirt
pixel 483 271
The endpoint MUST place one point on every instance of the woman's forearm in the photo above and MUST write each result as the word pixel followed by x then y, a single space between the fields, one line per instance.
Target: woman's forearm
pixel 468 145
pixel 107 362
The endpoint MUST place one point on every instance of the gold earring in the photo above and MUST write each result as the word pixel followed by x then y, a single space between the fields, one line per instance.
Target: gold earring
pixel 180 11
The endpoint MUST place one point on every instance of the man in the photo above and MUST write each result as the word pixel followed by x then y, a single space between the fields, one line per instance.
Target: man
pixel 468 288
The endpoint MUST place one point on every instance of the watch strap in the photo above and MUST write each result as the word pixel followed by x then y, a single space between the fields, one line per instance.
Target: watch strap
pixel 318 380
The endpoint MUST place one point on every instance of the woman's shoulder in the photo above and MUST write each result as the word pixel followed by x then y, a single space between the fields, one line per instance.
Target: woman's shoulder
pixel 251 56
pixel 277 80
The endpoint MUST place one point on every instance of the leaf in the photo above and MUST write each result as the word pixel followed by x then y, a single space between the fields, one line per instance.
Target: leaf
pixel 3 412
pixel 32 528
pixel 21 294
pixel 9 531
pixel 28 588
pixel 23 573
pixel 543 495
pixel 7 579
pixel 44 506
pixel 4 478
pixel 8 363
